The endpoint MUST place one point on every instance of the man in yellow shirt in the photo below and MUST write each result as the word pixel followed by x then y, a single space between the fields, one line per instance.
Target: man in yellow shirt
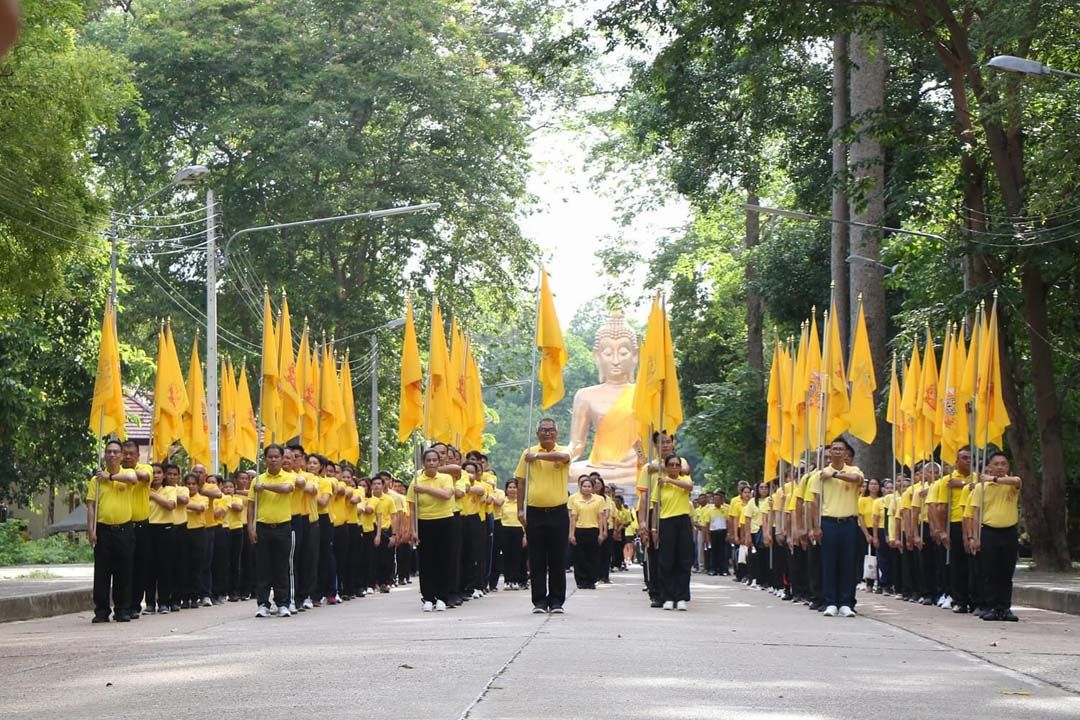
pixel 403 533
pixel 995 501
pixel 269 529
pixel 109 529
pixel 953 506
pixel 837 490
pixel 472 530
pixel 543 474
pixel 295 462
pixel 140 513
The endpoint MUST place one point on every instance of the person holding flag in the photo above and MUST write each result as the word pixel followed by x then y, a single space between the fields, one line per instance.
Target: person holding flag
pixel 110 532
pixel 837 488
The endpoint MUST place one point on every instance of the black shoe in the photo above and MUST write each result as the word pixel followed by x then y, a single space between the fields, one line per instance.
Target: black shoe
pixel 993 616
pixel 979 612
pixel 656 603
pixel 1008 616
pixel 539 610
pixel 961 609
pixel 878 590
pixel 556 610
pixel 817 607
pixel 100 619
pixel 234 598
pixel 787 597
pixel 122 618
pixel 133 615
pixel 926 601
pixel 175 607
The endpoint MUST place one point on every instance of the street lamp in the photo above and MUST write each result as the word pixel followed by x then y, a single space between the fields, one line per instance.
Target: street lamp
pixel 870 261
pixel 1011 63
pixel 374 333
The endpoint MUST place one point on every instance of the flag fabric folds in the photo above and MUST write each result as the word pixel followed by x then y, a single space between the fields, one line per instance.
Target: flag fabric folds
pixel 991 415
pixel 247 434
pixel 288 388
pixel 170 397
pixel 439 422
pixel 837 406
pixel 349 435
pixel 107 414
pixel 475 411
pixel 270 408
pixel 774 418
pixel 411 395
pixel 331 413
pixel 863 420
pixel 657 403
pixel 196 440
pixel 549 340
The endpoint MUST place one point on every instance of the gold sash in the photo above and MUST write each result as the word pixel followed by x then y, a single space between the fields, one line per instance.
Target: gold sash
pixel 617 432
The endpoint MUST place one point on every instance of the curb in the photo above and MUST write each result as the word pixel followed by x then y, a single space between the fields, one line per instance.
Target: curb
pixel 1044 598
pixel 46 604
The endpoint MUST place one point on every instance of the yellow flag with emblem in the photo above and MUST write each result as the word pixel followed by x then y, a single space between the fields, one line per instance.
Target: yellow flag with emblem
pixel 349 435
pixel 439 424
pixel 196 426
pixel 863 419
pixel 247 444
pixel 411 394
pixel 289 391
pixel 270 409
pixel 549 339
pixel 107 415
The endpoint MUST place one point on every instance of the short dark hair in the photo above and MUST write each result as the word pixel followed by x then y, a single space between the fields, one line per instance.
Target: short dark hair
pixel 274 446
pixel 129 444
pixel 117 443
pixel 997 453
pixel 430 451
pixel 470 464
pixel 846 444
pixel 297 447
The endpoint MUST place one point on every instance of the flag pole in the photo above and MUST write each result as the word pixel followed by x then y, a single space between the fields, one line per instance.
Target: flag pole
pixel 663 430
pixel 523 500
pixel 806 441
pixel 946 360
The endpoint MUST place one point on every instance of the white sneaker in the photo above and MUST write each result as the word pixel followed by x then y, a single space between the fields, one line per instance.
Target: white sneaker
pixel 940 601
pixel 947 605
pixel 440 605
pixel 322 600
pixel 831 611
pixel 476 594
pixel 206 602
pixel 681 605
pixel 370 591
pixel 292 608
pixel 845 611
pixel 307 604
pixel 669 605
pixel 428 607
pixel 753 583
pixel 263 611
pixel 283 612
pixel 273 608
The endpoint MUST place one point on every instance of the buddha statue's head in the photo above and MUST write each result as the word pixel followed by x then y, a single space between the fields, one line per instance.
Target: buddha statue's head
pixel 616 350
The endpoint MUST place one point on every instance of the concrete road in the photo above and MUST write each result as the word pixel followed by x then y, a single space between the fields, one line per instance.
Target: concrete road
pixel 738 653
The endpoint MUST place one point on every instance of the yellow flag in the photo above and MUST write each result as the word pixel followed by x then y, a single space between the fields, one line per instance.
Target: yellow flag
pixel 247 435
pixel 349 435
pixel 458 401
pixel 229 451
pixel 893 415
pixel 331 414
pixel 991 416
pixel 839 406
pixel 309 438
pixel 955 423
pixel 288 389
pixel 176 400
pixel 943 383
pixel 928 397
pixel 787 392
pixel 411 395
pixel 863 383
pixel 909 407
pixel 107 414
pixel 811 387
pixel 196 427
pixel 439 424
pixel 657 403
pixel 271 399
pixel 797 400
pixel 774 420
pixel 161 426
pixel 476 420
pixel 549 339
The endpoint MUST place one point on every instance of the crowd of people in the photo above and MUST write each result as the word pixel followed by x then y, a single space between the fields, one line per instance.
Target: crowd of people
pixel 944 537
pixel 307 532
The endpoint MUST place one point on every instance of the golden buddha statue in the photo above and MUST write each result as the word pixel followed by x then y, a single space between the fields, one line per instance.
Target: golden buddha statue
pixel 608 409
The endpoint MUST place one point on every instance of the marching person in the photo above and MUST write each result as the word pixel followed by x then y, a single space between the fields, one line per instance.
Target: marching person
pixel 382 562
pixel 234 529
pixel 996 501
pixel 543 473
pixel 675 540
pixel 181 543
pixel 430 496
pixel 269 523
pixel 586 533
pixel 140 512
pixel 512 540
pixel 837 491
pixel 198 545
pixel 109 530
pixel 162 499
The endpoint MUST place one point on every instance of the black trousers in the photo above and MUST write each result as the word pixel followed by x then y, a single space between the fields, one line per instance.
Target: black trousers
pixel 340 551
pixel 547 530
pixel 676 557
pixel 298 530
pixel 928 565
pixel 884 559
pixel 513 556
pixel 800 579
pixel 976 581
pixel 813 573
pixel 114 554
pixel 586 556
pixel 206 572
pixel 220 580
pixel 247 565
pixel 958 565
pixel 236 549
pixel 181 564
pixel 356 560
pixel 272 562
pixel 198 550
pixel 159 584
pixel 455 556
pixel 383 559
pixel 487 552
pixel 404 554
pixel 472 547
pixel 435 558
pixel 779 572
pixel 862 549
pixel 142 556
pixel 998 552
pixel 309 565
pixel 837 560
pixel 719 552
pixel 326 586
pixel 603 562
pixel 365 566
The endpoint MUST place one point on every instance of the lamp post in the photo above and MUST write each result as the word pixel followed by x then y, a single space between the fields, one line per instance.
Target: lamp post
pixel 1011 63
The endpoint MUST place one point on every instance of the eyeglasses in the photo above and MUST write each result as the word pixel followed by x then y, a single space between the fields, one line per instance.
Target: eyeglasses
pixel 546 430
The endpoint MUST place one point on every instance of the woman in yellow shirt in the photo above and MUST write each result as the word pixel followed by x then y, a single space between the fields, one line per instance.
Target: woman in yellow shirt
pixel 676 533
pixel 382 565
pixel 513 540
pixel 365 511
pixel 603 563
pixel 235 515
pixel 754 520
pixel 871 492
pixel 587 515
pixel 162 542
pixel 430 497
pixel 197 540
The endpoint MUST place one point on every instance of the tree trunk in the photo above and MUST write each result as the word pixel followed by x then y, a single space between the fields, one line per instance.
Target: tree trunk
pixel 755 309
pixel 839 246
pixel 866 277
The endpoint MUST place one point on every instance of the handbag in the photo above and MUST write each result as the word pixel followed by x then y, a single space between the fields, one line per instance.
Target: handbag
pixel 869 568
pixel 741 559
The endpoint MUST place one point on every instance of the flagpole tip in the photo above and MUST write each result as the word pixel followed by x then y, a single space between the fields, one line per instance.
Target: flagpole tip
pixel 860 297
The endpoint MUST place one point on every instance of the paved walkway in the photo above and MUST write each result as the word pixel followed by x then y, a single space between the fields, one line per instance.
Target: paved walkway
pixel 738 653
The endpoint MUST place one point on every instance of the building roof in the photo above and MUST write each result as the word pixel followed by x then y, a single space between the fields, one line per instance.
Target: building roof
pixel 140 415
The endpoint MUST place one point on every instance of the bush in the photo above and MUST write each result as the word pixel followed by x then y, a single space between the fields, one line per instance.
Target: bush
pixel 15 549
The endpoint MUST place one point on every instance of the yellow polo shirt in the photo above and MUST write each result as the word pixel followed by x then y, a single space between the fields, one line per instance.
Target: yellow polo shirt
pixel 211 505
pixel 384 508
pixel 430 507
pixel 326 487
pixel 159 515
pixel 113 500
pixel 196 511
pixel 508 513
pixel 959 499
pixel 140 494
pixel 587 513
pixel 271 507
pixel 547 480
pixel 841 498
pixel 999 504
pixel 179 513
pixel 674 501
pixel 234 519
